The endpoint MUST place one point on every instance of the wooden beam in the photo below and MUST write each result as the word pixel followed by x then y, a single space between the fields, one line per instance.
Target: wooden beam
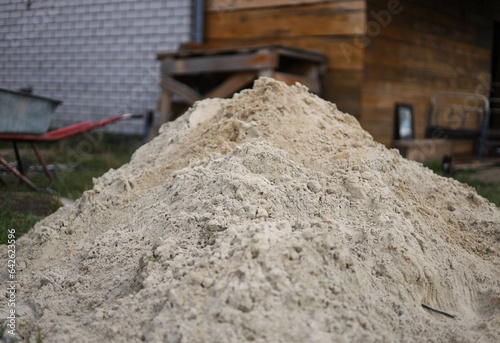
pixel 330 18
pixel 231 85
pixel 290 79
pixel 341 51
pixel 261 59
pixel 185 92
pixel 164 114
pixel 300 54
pixel 221 6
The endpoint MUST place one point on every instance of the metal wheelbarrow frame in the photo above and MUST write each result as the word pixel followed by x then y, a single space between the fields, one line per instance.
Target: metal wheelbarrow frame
pixel 51 136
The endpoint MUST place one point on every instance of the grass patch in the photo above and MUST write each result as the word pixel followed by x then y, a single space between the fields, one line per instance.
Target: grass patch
pixel 76 161
pixel 22 211
pixel 489 189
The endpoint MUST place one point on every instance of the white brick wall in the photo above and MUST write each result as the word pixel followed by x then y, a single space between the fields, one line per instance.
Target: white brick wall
pixel 98 56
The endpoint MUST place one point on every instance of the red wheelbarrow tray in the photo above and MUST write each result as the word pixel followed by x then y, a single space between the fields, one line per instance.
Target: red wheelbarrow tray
pixel 51 136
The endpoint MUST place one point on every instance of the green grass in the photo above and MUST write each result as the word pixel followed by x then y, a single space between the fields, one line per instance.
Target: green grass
pixel 487 189
pixel 92 155
pixel 17 212
pixel 89 156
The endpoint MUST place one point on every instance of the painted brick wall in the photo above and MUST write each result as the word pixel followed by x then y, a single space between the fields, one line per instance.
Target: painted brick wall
pixel 98 56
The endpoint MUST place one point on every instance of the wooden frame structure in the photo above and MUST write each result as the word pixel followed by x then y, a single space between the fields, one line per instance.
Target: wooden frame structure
pixel 194 73
pixel 380 52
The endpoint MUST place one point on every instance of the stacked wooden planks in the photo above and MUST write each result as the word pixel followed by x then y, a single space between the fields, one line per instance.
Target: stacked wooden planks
pixel 324 26
pixel 428 47
pixel 375 61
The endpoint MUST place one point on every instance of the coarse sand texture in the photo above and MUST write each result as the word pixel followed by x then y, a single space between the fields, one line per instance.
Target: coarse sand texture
pixel 267 217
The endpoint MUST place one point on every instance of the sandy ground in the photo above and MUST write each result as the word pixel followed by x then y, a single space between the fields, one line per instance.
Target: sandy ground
pixel 268 217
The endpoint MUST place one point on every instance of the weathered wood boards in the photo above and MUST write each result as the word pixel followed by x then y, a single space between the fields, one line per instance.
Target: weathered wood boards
pixel 232 84
pixel 379 51
pixel 330 18
pixel 196 72
pixel 424 49
pixel 234 5
pixel 219 63
pixel 324 26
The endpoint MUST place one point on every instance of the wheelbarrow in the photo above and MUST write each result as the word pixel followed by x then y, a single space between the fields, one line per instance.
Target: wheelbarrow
pixel 26 117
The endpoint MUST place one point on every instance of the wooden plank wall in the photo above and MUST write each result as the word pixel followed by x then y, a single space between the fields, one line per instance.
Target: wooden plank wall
pixel 325 26
pixel 430 46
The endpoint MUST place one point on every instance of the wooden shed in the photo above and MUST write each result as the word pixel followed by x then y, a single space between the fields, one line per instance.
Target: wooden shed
pixel 380 52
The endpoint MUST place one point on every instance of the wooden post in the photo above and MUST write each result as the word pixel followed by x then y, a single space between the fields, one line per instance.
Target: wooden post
pixel 164 114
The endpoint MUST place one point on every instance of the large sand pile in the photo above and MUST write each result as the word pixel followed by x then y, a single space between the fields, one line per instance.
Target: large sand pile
pixel 268 217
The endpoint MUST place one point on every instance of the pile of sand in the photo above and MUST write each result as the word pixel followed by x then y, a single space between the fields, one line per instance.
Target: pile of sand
pixel 268 217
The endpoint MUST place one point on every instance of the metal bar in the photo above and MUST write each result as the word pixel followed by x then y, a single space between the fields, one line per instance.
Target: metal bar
pixel 483 137
pixel 24 179
pixel 18 174
pixel 44 166
pixel 427 307
pixel 51 136
pixel 18 158
pixel 64 132
pixel 199 21
pixel 483 111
